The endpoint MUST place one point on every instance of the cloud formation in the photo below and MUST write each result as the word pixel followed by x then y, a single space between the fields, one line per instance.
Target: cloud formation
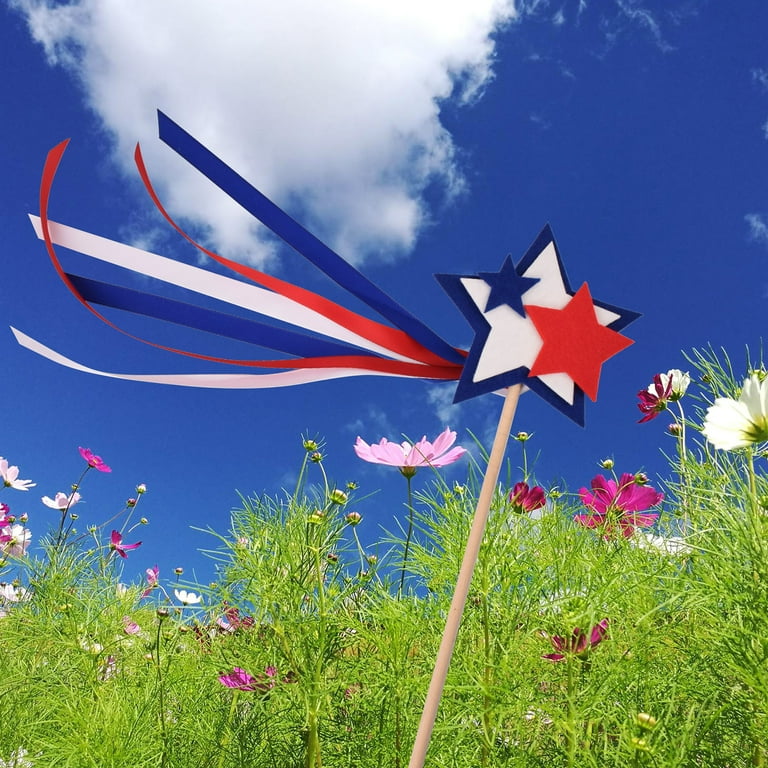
pixel 758 227
pixel 331 109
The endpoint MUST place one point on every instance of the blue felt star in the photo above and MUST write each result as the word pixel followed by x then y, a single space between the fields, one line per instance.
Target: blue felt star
pixel 507 287
pixel 506 343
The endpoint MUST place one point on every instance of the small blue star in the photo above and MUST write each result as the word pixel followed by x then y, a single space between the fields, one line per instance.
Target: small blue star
pixel 507 287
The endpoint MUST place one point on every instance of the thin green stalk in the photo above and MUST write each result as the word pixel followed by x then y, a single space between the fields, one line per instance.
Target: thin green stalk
pixel 408 477
pixel 161 692
pixel 227 736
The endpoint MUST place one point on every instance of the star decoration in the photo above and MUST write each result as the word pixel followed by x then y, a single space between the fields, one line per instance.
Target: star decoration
pixel 507 287
pixel 506 345
pixel 574 342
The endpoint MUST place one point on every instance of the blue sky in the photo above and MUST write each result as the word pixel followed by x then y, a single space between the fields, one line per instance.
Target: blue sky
pixel 414 141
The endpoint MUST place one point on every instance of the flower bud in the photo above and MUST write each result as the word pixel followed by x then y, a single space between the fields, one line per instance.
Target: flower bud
pixel 675 429
pixel 640 744
pixel 521 437
pixel 144 521
pixel 130 503
pixel 317 457
pixel 332 557
pixel 353 518
pixel 316 517
pixel 73 515
pixel 644 720
pixel 141 488
pixel 337 496
pixel 352 485
pixel 641 478
pixel 310 445
pixel 607 463
pixel 23 518
pixel 162 613
pixel 372 559
pixel 178 571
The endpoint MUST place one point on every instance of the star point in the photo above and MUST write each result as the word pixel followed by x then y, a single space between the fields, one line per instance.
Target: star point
pixel 507 287
pixel 574 342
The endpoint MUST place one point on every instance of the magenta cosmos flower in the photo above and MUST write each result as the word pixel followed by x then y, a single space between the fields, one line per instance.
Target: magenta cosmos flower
pixel 578 644
pixel 239 679
pixel 116 544
pixel 653 400
pixel 93 460
pixel 526 499
pixel 621 505
pixel 408 457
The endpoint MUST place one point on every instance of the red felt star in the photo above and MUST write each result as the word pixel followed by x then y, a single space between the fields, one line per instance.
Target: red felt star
pixel 574 341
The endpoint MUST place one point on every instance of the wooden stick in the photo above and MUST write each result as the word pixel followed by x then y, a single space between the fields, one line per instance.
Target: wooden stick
pixel 440 672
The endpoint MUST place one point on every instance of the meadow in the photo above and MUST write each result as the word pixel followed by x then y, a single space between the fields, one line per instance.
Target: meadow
pixel 624 623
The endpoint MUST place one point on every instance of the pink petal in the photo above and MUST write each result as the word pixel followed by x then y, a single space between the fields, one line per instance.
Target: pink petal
pixel 443 442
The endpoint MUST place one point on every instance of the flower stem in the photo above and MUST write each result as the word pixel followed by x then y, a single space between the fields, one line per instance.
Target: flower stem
pixel 227 736
pixel 407 536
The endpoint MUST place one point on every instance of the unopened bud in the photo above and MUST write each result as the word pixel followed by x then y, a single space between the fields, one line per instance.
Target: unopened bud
pixel 521 437
pixel 352 485
pixel 372 559
pixel 310 445
pixel 144 521
pixel 332 557
pixel 641 478
pixel 607 463
pixel 23 518
pixel 178 571
pixel 338 496
pixel 73 515
pixel 675 429
pixel 644 720
pixel 353 518
pixel 317 457
pixel 316 517
pixel 162 613
pixel 640 744
pixel 130 503
pixel 141 488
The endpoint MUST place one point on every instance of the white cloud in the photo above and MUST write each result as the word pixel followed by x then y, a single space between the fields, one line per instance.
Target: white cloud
pixel 333 108
pixel 758 227
pixel 440 398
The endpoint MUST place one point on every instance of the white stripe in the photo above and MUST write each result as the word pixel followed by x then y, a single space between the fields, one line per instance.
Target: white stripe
pixel 205 380
pixel 240 294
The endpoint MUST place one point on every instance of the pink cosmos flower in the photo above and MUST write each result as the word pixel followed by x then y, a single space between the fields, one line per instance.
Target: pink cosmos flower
pixel 152 577
pixel 93 460
pixel 15 540
pixel 653 400
pixel 10 477
pixel 578 644
pixel 61 501
pixel 116 544
pixel 526 499
pixel 408 457
pixel 238 678
pixel 621 504
pixel 130 627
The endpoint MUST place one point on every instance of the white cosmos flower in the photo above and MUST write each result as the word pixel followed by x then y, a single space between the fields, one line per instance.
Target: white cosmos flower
pixel 187 598
pixel 680 382
pixel 731 424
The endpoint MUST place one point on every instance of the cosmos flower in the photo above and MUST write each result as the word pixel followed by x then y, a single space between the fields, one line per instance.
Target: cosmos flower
pixel 187 598
pixel 239 679
pixel 10 477
pixel 526 500
pixel 61 501
pixel 15 540
pixel 408 457
pixel 93 460
pixel 653 400
pixel 116 544
pixel 152 577
pixel 730 424
pixel 665 387
pixel 621 504
pixel 579 643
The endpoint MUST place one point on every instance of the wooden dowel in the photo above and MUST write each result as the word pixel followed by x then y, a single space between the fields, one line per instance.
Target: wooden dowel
pixel 459 600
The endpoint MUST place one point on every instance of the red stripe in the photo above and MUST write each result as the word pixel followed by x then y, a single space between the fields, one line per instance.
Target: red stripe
pixel 447 371
pixel 383 335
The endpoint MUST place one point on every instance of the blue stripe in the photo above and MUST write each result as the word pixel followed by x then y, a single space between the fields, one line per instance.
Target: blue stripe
pixel 299 238
pixel 230 326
